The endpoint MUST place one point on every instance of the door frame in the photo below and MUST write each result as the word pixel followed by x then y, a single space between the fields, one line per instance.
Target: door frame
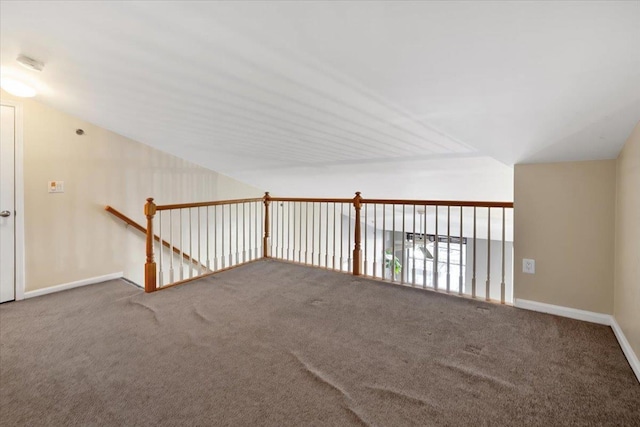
pixel 18 182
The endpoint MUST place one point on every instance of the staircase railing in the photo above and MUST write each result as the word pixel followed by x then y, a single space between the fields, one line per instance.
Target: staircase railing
pixel 449 246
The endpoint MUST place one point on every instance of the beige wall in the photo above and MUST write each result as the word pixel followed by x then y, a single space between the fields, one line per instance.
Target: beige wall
pixel 69 236
pixel 626 308
pixel 564 218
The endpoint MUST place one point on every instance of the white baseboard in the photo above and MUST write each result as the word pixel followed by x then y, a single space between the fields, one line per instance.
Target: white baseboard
pixel 71 285
pixel 626 347
pixel 587 316
pixel 572 313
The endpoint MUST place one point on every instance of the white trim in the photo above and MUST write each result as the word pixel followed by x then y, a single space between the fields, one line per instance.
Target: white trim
pixel 572 313
pixel 587 316
pixel 632 358
pixel 71 285
pixel 19 198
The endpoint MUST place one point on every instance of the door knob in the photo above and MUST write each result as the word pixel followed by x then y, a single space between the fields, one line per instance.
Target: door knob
pixel 5 213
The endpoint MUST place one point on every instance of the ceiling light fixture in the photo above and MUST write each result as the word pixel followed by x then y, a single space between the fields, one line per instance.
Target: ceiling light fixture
pixel 17 88
pixel 30 63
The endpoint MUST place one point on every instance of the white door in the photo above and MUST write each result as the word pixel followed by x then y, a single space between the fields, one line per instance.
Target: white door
pixel 7 204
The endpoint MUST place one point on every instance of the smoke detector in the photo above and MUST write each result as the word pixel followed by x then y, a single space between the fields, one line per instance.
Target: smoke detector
pixel 30 63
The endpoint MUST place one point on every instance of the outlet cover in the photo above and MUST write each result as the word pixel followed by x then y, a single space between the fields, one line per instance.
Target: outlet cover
pixel 529 266
pixel 56 186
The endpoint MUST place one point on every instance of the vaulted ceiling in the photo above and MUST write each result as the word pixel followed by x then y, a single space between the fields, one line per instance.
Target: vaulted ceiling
pixel 396 99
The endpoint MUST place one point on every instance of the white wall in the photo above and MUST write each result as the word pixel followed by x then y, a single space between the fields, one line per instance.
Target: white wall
pixel 565 221
pixel 69 237
pixel 626 308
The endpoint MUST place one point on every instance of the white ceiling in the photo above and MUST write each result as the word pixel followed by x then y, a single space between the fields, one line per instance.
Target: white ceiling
pixel 401 99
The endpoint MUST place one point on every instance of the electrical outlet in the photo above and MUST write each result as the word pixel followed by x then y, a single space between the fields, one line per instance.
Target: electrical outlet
pixel 56 186
pixel 529 266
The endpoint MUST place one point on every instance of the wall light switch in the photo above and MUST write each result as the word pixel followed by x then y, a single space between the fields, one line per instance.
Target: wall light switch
pixel 529 266
pixel 56 186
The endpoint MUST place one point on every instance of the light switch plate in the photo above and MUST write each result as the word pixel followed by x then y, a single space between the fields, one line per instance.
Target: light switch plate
pixel 56 186
pixel 529 266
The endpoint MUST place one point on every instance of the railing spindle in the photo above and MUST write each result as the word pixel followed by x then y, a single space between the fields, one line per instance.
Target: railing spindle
pixel 293 229
pixel 265 242
pixel 190 244
pixel 160 272
pixel 473 278
pixel 393 243
pixel 300 233
pixel 404 239
pixel 207 239
pixel 460 280
pixel 502 283
pixel 199 242
pixel 448 249
pixel 222 239
pixel 424 243
pixel 244 232
pixel 263 221
pixel 215 238
pixel 230 237
pixel 319 234
pixel 171 246
pixel 413 250
pixel 313 232
pixel 436 254
pixel 349 259
pixel 341 234
pixel 326 243
pixel 375 240
pixel 282 241
pixel 289 232
pixel 334 235
pixel 487 290
pixel 306 233
pixel 384 243
pixel 366 235
pixel 181 246
pixel 237 233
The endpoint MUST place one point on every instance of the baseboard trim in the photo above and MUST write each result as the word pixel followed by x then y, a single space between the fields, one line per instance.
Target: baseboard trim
pixel 587 316
pixel 572 313
pixel 71 285
pixel 632 358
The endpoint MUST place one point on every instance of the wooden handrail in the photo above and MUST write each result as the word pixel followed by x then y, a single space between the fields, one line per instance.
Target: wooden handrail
pixel 125 218
pixel 310 200
pixel 438 203
pixel 143 230
pixel 203 204
pixel 398 202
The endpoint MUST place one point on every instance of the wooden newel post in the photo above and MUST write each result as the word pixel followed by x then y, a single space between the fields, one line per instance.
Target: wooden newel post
pixel 265 240
pixel 357 250
pixel 150 265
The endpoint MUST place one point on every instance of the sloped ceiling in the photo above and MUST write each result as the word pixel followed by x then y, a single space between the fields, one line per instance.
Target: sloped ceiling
pixel 396 99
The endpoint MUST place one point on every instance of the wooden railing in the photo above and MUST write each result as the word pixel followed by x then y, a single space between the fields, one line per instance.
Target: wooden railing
pixel 216 232
pixel 143 230
pixel 420 243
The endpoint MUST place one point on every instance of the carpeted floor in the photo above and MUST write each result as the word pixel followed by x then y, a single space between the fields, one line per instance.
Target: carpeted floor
pixel 277 344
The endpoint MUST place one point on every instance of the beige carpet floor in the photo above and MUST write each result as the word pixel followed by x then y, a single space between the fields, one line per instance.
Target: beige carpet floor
pixel 277 344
